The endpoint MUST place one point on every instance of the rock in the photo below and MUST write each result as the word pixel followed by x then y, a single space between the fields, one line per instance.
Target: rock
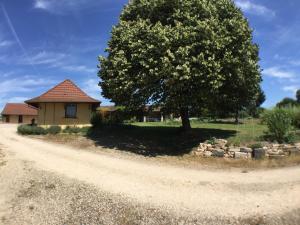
pixel 277 156
pixel 234 150
pixel 246 150
pixel 207 154
pixel 220 143
pixel 259 153
pixel 218 153
pixel 294 152
pixel 197 153
pixel 240 155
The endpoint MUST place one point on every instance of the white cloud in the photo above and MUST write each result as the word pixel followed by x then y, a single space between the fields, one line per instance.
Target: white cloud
pixel 15 90
pixel 5 43
pixel 57 60
pixel 65 6
pixel 91 87
pixel 79 69
pixel 252 8
pixel 291 88
pixel 46 58
pixel 278 73
pixel 22 84
pixel 295 62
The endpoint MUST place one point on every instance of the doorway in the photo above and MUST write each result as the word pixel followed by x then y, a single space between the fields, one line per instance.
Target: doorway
pixel 20 119
pixel 7 119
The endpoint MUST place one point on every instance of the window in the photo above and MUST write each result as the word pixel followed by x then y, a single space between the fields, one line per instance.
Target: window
pixel 71 110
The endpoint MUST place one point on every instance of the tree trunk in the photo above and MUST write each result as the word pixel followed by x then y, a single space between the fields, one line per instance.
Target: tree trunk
pixel 237 117
pixel 184 113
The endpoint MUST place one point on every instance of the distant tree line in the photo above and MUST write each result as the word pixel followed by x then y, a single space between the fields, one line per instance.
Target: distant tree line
pixel 290 102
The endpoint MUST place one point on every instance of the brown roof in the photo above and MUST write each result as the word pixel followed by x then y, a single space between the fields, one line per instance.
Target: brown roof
pixel 19 109
pixel 66 91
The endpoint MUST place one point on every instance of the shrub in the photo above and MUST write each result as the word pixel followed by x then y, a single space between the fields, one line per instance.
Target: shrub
pixel 54 130
pixel 96 120
pixel 31 130
pixel 255 145
pixel 72 130
pixel 279 123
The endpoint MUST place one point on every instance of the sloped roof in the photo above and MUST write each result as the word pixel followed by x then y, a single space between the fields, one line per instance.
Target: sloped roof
pixel 19 109
pixel 64 92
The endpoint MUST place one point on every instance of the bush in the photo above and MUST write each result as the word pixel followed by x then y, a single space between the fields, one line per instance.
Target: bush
pixel 31 130
pixel 96 120
pixel 279 122
pixel 54 130
pixel 255 145
pixel 72 130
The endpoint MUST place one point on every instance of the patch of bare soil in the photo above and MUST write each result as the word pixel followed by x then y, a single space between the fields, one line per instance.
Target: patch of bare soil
pixel 2 157
pixel 47 183
pixel 187 160
pixel 44 198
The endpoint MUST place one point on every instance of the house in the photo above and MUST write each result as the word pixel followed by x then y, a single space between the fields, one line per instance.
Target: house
pixel 64 105
pixel 147 114
pixel 19 113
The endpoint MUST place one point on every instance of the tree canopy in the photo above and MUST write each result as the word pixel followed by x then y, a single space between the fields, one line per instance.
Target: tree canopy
pixel 179 54
pixel 287 102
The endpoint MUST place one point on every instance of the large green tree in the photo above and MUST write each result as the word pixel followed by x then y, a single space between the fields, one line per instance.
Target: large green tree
pixel 180 53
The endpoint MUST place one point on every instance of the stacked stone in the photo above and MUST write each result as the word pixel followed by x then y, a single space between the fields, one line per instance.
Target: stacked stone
pixel 220 149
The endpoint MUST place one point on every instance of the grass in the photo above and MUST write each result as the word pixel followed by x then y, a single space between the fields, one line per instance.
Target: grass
pixel 164 138
pixel 244 133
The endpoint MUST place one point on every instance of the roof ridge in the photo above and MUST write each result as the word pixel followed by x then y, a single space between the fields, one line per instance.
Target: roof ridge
pixel 55 87
pixel 67 90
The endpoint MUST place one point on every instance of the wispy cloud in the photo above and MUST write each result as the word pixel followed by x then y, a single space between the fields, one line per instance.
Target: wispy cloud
pixel 66 6
pixel 15 35
pixel 278 73
pixel 84 69
pixel 45 58
pixel 256 9
pixel 291 88
pixel 57 60
pixel 21 88
pixel 22 84
pixel 5 43
pixel 91 87
pixel 295 62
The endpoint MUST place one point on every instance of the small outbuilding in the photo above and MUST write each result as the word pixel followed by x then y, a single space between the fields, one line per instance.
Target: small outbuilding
pixel 64 105
pixel 19 113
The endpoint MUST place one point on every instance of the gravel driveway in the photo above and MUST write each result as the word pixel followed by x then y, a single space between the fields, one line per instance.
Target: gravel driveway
pixel 46 183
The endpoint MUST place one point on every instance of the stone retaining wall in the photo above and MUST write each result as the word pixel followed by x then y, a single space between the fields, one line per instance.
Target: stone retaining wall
pixel 219 148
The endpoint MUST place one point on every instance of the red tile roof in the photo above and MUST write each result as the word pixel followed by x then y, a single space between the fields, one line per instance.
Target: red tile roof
pixel 19 109
pixel 64 92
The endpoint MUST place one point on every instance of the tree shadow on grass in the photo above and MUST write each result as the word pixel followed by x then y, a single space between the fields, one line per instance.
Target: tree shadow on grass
pixel 153 141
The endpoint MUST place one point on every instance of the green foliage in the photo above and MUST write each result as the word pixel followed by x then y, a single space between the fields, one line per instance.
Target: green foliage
pixel 31 130
pixel 279 122
pixel 72 130
pixel 287 103
pixel 255 145
pixel 54 130
pixel 179 54
pixel 294 112
pixel 96 120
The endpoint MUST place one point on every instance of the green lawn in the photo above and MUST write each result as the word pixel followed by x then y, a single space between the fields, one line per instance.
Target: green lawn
pixel 165 138
pixel 248 131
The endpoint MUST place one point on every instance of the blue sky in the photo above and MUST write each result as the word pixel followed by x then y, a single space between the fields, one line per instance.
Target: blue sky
pixel 43 42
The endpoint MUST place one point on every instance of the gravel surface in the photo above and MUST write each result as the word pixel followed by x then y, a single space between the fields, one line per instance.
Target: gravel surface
pixel 43 183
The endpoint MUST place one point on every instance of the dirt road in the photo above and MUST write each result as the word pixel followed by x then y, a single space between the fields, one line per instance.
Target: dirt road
pixel 203 196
